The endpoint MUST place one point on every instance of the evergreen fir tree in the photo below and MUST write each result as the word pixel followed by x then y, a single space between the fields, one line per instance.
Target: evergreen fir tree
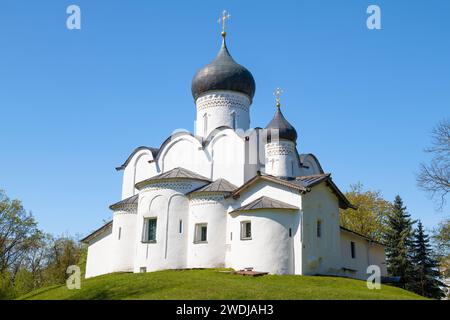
pixel 398 240
pixel 426 279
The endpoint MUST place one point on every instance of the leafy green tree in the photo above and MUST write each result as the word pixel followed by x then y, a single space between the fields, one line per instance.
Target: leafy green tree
pixel 62 253
pixel 23 282
pixel 398 240
pixel 441 238
pixel 371 214
pixel 18 232
pixel 426 276
pixel 37 259
pixel 6 286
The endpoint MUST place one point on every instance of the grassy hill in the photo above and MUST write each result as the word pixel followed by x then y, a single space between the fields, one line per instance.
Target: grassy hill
pixel 217 284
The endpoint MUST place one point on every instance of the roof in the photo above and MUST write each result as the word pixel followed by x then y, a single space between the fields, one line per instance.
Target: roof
pixel 128 201
pixel 218 186
pixel 312 180
pixel 223 73
pixel 280 125
pixel 265 203
pixel 290 184
pixel 302 184
pixel 303 158
pixel 362 236
pixel 174 174
pixel 97 232
pixel 154 152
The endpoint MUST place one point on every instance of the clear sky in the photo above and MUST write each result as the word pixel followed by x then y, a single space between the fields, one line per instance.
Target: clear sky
pixel 75 103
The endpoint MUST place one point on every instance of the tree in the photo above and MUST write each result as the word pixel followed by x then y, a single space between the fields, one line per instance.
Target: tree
pixel 441 239
pixel 369 218
pixel 434 177
pixel 426 276
pixel 18 233
pixel 398 240
pixel 62 253
pixel 37 259
pixel 23 282
pixel 29 258
pixel 6 286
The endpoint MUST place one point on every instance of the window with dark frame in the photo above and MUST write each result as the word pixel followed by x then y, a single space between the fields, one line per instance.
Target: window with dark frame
pixel 246 230
pixel 150 230
pixel 352 249
pixel 201 233
pixel 181 227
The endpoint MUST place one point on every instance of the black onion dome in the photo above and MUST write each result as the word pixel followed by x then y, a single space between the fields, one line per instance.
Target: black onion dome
pixel 223 74
pixel 285 129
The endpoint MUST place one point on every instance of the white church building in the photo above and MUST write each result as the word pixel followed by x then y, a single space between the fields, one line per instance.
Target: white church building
pixel 229 195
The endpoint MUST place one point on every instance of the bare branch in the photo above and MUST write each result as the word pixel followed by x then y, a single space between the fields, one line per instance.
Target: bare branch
pixel 434 178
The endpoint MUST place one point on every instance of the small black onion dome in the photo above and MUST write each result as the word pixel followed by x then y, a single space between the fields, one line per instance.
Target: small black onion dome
pixel 285 129
pixel 223 74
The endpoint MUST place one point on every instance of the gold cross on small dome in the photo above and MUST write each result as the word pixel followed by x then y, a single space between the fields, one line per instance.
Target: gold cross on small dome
pixel 225 16
pixel 277 93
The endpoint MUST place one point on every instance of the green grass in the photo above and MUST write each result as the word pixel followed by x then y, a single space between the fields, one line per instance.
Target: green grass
pixel 213 284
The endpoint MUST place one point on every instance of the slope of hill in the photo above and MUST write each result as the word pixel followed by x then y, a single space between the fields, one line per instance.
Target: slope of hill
pixel 217 284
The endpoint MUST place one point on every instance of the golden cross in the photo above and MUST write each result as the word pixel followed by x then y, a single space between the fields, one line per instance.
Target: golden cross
pixel 225 16
pixel 277 93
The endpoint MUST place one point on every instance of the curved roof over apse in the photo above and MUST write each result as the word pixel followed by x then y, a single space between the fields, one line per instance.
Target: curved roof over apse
pixel 174 174
pixel 265 203
pixel 125 202
pixel 218 186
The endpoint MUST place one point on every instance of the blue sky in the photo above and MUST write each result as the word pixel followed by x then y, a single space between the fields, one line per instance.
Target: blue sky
pixel 74 104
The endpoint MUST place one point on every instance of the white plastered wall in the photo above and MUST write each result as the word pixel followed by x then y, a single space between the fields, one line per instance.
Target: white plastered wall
pixel 281 159
pixel 123 241
pixel 321 255
pixel 166 202
pixel 271 249
pixel 222 108
pixel 366 254
pixel 227 150
pixel 187 152
pixel 209 209
pixel 99 255
pixel 138 169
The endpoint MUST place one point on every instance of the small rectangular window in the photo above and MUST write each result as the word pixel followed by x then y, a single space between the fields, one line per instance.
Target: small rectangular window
pixel 352 249
pixel 231 236
pixel 201 233
pixel 319 228
pixel 181 226
pixel 120 232
pixel 150 230
pixel 290 232
pixel 246 230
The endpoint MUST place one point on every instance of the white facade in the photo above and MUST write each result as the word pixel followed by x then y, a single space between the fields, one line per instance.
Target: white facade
pixel 282 241
pixel 222 109
pixel 281 159
pixel 273 210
